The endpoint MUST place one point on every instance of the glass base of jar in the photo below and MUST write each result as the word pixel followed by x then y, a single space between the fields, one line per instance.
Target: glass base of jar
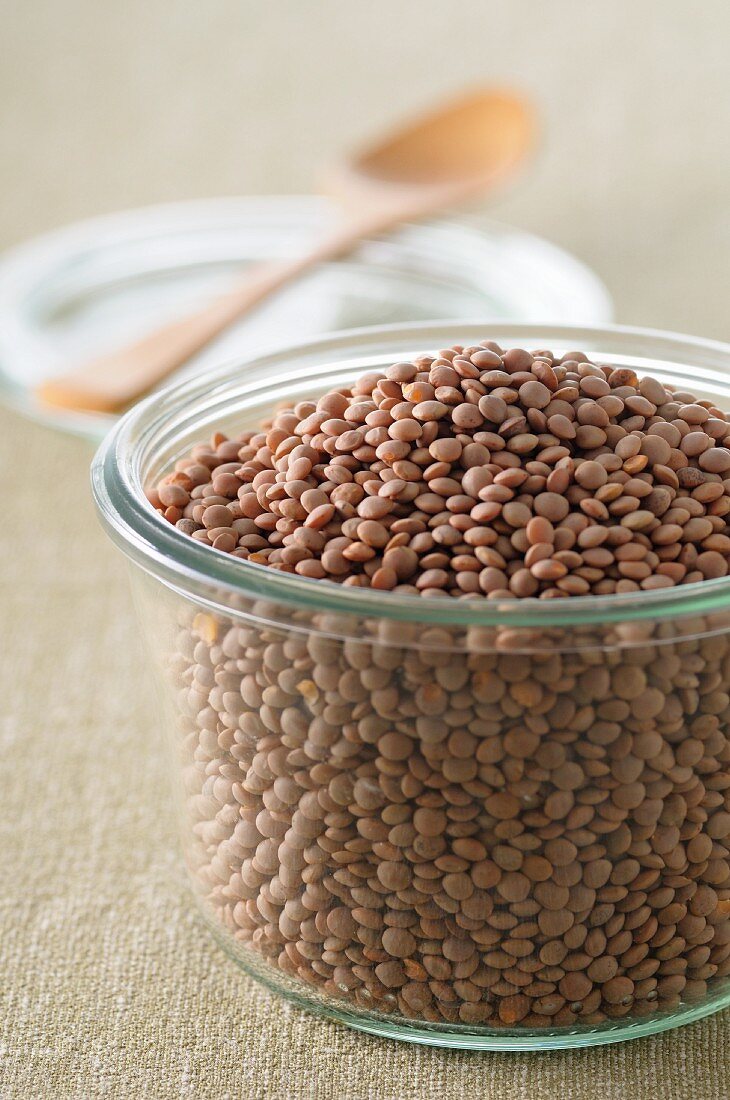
pixel 460 1036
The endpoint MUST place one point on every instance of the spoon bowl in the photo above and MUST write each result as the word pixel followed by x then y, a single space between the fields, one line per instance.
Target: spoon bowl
pixel 459 149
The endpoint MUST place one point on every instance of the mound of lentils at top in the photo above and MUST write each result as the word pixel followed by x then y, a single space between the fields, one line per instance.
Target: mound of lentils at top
pixel 474 472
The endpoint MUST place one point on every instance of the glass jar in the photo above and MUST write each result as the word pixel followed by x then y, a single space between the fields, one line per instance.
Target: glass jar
pixel 477 824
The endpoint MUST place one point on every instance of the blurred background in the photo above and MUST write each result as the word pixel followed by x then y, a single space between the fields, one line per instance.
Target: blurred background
pixel 106 106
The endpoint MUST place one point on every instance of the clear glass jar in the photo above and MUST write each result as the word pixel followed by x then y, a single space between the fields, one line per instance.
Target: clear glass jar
pixel 487 825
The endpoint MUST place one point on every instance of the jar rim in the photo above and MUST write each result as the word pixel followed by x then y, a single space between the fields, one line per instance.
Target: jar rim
pixel 220 580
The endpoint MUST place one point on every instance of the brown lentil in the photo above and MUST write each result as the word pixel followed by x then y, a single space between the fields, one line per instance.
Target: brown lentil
pixel 462 832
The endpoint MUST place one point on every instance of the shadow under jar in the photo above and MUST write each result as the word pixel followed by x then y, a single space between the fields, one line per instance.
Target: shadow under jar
pixel 483 824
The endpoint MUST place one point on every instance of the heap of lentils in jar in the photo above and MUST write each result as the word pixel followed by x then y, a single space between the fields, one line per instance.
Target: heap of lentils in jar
pixel 475 472
pixel 449 834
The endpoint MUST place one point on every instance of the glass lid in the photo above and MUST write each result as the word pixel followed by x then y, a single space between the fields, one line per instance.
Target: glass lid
pixel 91 287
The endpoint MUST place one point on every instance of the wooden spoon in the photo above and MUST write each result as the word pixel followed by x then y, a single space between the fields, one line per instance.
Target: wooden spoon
pixel 436 161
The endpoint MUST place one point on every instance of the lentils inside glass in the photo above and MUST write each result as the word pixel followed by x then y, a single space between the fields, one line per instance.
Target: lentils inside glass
pixel 475 472
pixel 445 831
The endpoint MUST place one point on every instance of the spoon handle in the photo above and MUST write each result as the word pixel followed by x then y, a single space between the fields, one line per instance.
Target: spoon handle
pixel 112 381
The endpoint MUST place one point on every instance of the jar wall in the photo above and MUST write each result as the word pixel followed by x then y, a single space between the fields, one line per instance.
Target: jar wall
pixel 433 832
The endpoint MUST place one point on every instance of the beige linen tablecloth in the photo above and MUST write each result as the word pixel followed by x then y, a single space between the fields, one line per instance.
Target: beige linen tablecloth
pixel 109 985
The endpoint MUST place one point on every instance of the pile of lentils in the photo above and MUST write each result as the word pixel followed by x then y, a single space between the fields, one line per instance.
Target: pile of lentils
pixel 476 472
pixel 460 835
